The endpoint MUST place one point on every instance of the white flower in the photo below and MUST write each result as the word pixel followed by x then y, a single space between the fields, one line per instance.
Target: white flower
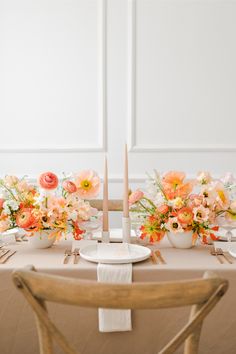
pixel 9 205
pixel 173 225
pixel 204 177
pixel 176 203
pixel 228 179
pixel 201 214
pixel 73 215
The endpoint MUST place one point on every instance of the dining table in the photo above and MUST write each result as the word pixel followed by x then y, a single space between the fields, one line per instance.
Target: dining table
pixel 151 329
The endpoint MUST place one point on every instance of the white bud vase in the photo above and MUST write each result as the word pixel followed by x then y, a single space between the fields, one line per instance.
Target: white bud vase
pixel 181 239
pixel 40 239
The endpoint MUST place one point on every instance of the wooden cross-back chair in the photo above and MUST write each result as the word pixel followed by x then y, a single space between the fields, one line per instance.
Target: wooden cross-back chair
pixel 202 294
pixel 113 205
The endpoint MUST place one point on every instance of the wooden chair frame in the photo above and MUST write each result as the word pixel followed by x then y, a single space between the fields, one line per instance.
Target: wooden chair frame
pixel 202 294
pixel 113 204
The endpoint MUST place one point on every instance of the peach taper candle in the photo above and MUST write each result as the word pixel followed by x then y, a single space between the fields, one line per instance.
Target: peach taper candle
pixel 105 223
pixel 126 226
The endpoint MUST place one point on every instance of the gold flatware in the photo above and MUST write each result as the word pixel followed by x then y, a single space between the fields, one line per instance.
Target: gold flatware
pixel 67 256
pixel 8 255
pixel 220 252
pixel 3 251
pixel 154 257
pixel 214 253
pixel 158 253
pixel 76 255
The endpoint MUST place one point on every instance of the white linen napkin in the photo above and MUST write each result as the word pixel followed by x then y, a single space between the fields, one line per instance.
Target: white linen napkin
pixel 114 320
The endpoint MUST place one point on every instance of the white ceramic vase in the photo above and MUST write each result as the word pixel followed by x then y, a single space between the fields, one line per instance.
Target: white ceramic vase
pixel 40 239
pixel 181 239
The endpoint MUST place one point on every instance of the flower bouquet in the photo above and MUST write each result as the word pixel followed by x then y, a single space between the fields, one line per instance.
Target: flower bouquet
pixel 184 210
pixel 48 210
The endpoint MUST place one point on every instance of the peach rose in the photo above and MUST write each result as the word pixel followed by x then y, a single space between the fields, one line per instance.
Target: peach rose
pixel 69 186
pixel 48 180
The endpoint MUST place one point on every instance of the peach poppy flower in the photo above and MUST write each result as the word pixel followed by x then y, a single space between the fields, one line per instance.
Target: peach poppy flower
pixel 88 184
pixel 69 186
pixel 174 186
pixel 10 181
pixel 135 196
pixel 222 198
pixel 4 225
pixel 48 181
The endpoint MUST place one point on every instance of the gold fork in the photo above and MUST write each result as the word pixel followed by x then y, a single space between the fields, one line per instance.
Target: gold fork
pixel 67 255
pixel 158 253
pixel 214 253
pixel 154 257
pixel 76 255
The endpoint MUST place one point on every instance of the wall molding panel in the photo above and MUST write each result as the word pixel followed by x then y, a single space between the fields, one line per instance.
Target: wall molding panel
pixel 134 146
pixel 101 145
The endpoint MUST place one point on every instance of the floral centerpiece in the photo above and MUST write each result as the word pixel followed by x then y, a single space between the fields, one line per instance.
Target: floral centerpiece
pixel 52 207
pixel 178 208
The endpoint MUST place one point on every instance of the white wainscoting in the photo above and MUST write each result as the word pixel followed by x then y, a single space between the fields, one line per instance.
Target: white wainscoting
pixel 79 78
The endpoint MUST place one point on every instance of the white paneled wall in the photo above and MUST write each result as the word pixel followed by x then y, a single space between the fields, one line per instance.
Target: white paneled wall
pixel 78 78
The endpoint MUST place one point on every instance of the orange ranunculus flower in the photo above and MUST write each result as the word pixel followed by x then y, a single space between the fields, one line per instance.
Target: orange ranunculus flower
pixel 69 186
pixel 26 219
pixel 185 216
pixel 163 209
pixel 48 180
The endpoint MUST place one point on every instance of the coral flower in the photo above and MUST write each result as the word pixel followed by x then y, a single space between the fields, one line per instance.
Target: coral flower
pixel 88 184
pixel 135 196
pixel 25 218
pixel 69 186
pixel 185 216
pixel 151 230
pixel 48 180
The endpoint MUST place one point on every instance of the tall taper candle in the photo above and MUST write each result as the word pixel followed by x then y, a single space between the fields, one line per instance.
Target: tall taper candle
pixel 126 186
pixel 105 223
pixel 126 226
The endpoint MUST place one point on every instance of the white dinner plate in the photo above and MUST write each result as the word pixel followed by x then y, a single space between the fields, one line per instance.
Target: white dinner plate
pixel 114 253
pixel 115 235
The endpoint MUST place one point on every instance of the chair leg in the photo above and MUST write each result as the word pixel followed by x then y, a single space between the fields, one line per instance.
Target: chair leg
pixel 45 338
pixel 192 342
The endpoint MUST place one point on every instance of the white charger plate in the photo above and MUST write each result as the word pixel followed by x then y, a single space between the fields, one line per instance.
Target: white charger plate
pixel 115 235
pixel 136 254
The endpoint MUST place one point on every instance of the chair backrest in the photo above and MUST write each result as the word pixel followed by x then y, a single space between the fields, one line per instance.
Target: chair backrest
pixel 202 294
pixel 113 205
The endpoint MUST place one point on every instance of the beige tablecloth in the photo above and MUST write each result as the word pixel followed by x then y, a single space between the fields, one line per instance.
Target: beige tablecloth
pixel 151 329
